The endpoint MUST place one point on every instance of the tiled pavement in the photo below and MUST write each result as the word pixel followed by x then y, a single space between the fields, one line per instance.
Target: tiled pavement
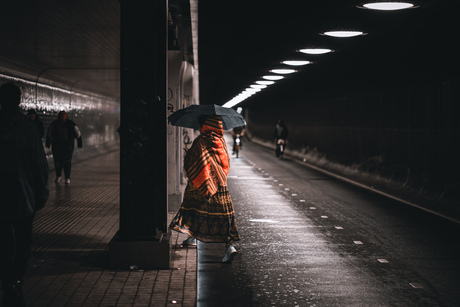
pixel 68 266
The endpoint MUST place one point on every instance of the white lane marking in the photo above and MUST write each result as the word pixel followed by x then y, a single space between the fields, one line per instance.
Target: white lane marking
pixel 358 242
pixel 383 261
pixel 247 178
pixel 379 192
pixel 263 221
pixel 338 227
pixel 416 285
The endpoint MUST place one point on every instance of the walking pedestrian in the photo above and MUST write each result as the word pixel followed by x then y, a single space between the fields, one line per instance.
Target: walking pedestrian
pixel 35 119
pixel 24 190
pixel 206 213
pixel 61 137
pixel 281 133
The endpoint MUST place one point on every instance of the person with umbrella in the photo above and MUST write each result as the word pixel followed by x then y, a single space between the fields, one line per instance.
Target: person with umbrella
pixel 206 213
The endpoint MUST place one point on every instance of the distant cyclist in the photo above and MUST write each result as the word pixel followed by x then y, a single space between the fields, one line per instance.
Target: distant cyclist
pixel 237 132
pixel 281 134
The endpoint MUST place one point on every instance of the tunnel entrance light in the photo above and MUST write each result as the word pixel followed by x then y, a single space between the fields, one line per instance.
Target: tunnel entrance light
pixel 283 71
pixel 296 63
pixel 388 6
pixel 341 33
pixel 315 50
pixel 272 77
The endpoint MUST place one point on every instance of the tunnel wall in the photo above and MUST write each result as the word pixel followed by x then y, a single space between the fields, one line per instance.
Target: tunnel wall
pixel 404 139
pixel 96 117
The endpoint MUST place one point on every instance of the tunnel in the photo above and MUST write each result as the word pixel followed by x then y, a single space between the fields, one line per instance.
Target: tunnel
pixel 362 209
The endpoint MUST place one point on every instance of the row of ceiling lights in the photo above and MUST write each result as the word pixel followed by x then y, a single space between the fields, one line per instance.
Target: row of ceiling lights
pixel 270 79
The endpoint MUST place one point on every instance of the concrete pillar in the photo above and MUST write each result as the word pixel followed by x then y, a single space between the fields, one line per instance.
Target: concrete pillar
pixel 143 239
pixel 175 84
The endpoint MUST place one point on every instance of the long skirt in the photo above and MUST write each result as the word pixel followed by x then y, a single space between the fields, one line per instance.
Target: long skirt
pixel 207 221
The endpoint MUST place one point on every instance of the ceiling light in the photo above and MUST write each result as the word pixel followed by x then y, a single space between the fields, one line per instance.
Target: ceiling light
pixel 232 103
pixel 265 82
pixel 296 63
pixel 258 86
pixel 283 71
pixel 346 33
pixel 271 77
pixel 315 50
pixel 388 6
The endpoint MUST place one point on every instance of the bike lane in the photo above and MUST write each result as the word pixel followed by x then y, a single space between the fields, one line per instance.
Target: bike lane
pixel 283 257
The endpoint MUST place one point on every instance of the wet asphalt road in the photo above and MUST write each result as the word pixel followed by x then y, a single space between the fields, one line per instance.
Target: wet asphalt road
pixel 311 240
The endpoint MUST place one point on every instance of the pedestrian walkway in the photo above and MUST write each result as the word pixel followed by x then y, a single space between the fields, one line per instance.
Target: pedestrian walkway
pixel 69 262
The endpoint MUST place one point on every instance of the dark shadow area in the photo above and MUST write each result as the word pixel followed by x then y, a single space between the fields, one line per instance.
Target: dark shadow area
pixel 221 284
pixel 66 262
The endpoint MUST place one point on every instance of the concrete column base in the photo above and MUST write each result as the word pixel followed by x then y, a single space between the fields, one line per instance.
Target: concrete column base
pixel 154 255
pixel 174 202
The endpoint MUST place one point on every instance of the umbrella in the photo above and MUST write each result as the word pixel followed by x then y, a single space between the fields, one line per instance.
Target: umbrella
pixel 188 117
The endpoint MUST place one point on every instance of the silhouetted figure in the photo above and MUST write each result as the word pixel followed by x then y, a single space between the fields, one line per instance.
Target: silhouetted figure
pixel 33 117
pixel 24 189
pixel 237 132
pixel 281 134
pixel 61 137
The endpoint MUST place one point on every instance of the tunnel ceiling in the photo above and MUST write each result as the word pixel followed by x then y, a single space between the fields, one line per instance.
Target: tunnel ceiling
pixel 76 45
pixel 73 43
pixel 240 41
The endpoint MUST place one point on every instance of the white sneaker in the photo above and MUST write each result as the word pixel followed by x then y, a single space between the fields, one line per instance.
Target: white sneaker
pixel 189 242
pixel 67 181
pixel 230 254
pixel 58 179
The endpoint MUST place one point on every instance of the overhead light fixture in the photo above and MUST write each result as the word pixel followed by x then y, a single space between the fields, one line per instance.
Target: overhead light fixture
pixel 388 5
pixel 272 77
pixel 265 82
pixel 343 33
pixel 248 92
pixel 283 71
pixel 315 50
pixel 258 86
pixel 232 103
pixel 296 63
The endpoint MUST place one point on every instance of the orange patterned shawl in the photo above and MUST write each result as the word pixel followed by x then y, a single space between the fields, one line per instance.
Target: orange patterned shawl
pixel 207 162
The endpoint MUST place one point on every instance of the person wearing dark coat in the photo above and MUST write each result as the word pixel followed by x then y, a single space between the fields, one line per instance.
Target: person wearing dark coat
pixel 24 189
pixel 33 118
pixel 61 137
pixel 281 133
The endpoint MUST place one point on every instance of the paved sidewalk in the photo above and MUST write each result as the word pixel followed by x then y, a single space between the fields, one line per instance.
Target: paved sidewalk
pixel 68 266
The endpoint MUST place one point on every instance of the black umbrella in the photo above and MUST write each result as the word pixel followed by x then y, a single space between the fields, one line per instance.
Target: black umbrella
pixel 188 117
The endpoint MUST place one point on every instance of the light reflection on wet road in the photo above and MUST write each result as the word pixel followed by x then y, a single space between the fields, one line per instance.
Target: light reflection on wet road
pixel 310 240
